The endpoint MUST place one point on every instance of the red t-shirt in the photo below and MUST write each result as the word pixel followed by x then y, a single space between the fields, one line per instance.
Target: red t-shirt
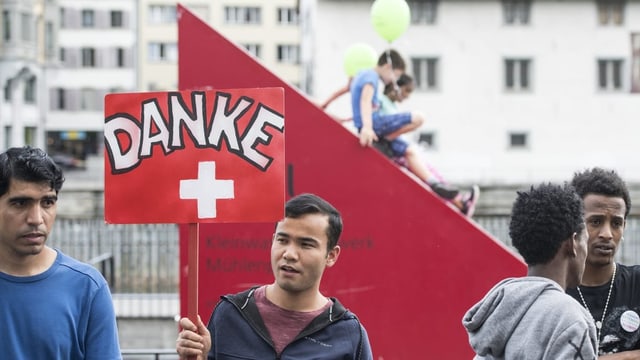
pixel 283 325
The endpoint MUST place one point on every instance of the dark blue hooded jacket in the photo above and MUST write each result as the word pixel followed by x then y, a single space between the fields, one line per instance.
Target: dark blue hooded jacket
pixel 238 332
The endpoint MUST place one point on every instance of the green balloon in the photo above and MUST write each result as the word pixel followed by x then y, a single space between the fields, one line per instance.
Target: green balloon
pixel 358 57
pixel 390 18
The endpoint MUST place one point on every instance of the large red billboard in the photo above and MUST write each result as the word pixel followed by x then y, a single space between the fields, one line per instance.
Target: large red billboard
pixel 410 264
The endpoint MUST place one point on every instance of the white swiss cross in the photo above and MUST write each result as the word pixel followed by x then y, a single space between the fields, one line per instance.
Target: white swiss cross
pixel 206 189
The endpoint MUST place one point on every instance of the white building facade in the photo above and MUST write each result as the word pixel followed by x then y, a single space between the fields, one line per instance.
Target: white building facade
pixel 26 44
pixel 269 30
pixel 96 44
pixel 513 91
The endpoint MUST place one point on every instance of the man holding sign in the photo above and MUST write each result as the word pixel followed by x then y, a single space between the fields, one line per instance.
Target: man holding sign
pixel 290 318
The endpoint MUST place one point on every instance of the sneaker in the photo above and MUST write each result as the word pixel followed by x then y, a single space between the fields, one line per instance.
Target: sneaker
pixel 444 190
pixel 470 200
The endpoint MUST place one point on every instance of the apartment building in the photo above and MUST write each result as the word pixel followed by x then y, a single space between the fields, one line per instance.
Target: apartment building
pixel 513 91
pixel 26 44
pixel 96 52
pixel 269 30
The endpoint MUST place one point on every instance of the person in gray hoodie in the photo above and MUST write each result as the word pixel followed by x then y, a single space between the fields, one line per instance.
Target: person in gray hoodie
pixel 531 317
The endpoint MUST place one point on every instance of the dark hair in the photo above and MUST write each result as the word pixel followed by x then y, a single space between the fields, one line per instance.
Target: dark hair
pixel 600 181
pixel 28 164
pixel 397 62
pixel 542 218
pixel 403 80
pixel 304 204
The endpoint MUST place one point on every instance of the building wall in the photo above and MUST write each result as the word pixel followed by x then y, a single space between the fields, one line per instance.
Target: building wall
pixel 570 123
pixel 21 71
pixel 161 74
pixel 77 82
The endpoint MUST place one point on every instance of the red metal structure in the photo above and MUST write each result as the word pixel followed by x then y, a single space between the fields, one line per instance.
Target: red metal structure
pixel 410 265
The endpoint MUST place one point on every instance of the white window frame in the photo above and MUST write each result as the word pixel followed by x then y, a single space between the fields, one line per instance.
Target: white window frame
pixel 242 15
pixel 288 16
pixel 162 52
pixel 88 17
pixel 88 57
pixel 254 49
pixel 516 12
pixel 426 73
pixel 515 73
pixel 610 12
pixel 610 74
pixel 288 54
pixel 423 12
pixel 162 14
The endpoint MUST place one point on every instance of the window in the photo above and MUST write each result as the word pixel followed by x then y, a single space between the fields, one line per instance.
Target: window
pixel 518 140
pixel 427 140
pixel 162 14
pixel 7 90
pixel 517 74
pixel 6 25
pixel 8 136
pixel 163 51
pixel 63 24
pixel 87 98
pixel 288 16
pixel 30 135
pixel 610 12
pixel 49 45
pixel 610 74
pixel 425 73
pixel 116 19
pixel 423 11
pixel 88 57
pixel 516 11
pixel 61 104
pixel 242 15
pixel 88 18
pixel 254 49
pixel 120 53
pixel 289 54
pixel 635 63
pixel 27 27
pixel 30 90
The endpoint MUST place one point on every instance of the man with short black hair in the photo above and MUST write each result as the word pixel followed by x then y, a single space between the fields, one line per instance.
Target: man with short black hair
pixel 51 306
pixel 532 317
pixel 290 318
pixel 609 291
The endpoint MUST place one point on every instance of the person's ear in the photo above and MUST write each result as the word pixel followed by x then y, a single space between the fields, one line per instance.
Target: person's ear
pixel 571 245
pixel 332 256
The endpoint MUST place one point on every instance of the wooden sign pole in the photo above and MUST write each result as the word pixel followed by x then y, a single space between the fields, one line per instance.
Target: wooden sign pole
pixel 192 274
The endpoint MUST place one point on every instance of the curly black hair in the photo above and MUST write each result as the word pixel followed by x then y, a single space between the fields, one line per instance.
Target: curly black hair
pixel 601 181
pixel 542 218
pixel 29 164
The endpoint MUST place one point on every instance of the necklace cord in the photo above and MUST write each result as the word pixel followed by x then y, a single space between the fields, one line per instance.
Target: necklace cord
pixel 606 304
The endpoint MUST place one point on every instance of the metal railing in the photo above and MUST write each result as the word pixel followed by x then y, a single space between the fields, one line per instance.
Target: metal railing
pixel 144 259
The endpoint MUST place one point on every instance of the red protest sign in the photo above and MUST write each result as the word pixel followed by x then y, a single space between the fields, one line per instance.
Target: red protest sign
pixel 194 156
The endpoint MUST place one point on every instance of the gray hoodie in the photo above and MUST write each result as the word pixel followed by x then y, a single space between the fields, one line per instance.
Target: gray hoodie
pixel 530 318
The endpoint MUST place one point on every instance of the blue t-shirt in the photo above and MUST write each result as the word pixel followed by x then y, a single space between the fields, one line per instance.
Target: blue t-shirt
pixel 65 313
pixel 361 79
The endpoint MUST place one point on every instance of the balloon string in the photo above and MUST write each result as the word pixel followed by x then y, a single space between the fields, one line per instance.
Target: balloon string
pixel 393 75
